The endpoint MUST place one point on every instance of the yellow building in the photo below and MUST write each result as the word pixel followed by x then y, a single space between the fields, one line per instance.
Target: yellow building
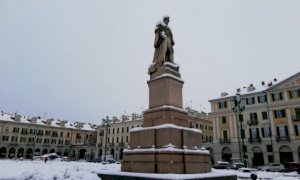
pixel 271 122
pixel 23 137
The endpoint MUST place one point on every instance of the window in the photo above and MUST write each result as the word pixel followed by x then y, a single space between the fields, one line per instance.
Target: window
pixel 30 139
pixel 294 93
pixel 282 131
pixel 266 131
pixel 254 133
pixel 23 139
pixel 53 141
pixel 32 131
pixel 113 131
pixel 6 129
pixel 68 134
pixel 67 142
pixel 127 129
pixel 61 134
pixel 222 105
pixel 15 130
pixel 253 116
pixel 279 113
pixel 223 120
pixel 5 138
pixel 46 141
pixel 126 138
pixel 47 133
pixel 250 100
pixel 264 115
pixel 14 139
pixel 39 140
pixel 262 99
pixel 277 96
pixel 24 131
pixel 297 129
pixel 117 130
pixel 54 134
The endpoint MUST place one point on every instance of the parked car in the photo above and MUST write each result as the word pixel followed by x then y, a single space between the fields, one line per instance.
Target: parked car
pixel 98 160
pixel 274 167
pixel 65 158
pixel 237 166
pixel 222 165
pixel 292 166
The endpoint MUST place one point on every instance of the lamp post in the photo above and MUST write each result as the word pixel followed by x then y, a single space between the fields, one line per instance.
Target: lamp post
pixel 239 106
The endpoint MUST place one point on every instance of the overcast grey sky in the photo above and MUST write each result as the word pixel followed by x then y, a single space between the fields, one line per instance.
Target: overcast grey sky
pixel 83 60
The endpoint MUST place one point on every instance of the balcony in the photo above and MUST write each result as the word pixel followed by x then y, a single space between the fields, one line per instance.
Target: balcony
pixel 224 141
pixel 283 138
pixel 295 118
pixel 254 140
pixel 252 122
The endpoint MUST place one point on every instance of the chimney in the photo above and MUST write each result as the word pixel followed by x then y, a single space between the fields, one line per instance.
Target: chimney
pixel 238 90
pixel 275 79
pixel 263 83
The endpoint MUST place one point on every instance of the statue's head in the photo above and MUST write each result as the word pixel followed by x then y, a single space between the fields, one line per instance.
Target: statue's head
pixel 166 19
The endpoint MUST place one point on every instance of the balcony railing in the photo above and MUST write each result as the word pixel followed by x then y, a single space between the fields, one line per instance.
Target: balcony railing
pixel 254 140
pixel 283 138
pixel 252 122
pixel 224 141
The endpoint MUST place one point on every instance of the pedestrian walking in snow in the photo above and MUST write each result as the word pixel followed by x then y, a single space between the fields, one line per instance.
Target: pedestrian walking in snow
pixel 46 159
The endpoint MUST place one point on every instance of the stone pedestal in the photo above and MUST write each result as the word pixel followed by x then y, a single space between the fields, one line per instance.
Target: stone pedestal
pixel 165 143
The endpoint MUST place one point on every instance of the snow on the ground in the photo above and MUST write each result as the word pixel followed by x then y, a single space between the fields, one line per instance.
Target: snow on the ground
pixel 26 169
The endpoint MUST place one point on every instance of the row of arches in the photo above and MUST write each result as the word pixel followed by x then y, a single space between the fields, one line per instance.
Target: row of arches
pixel 285 155
pixel 13 152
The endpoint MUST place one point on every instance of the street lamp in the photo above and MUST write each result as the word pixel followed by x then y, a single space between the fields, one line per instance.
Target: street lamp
pixel 238 107
pixel 106 121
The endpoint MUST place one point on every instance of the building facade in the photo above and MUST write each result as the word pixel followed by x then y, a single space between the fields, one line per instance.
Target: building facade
pixel 25 137
pixel 258 123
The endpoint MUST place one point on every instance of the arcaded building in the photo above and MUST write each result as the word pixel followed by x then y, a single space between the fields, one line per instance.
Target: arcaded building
pixel 25 137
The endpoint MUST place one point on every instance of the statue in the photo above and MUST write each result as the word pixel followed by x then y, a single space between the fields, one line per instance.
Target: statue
pixel 163 43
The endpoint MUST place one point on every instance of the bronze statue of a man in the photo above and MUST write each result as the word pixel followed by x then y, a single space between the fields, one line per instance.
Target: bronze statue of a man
pixel 163 42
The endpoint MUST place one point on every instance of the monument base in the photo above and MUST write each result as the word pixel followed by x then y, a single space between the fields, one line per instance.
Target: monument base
pixel 166 148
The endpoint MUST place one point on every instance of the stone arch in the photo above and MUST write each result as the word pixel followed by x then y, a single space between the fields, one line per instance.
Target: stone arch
pixel 59 152
pixel 11 152
pixel 45 151
pixel 256 149
pixel 226 154
pixel 100 152
pixel 37 152
pixel 66 153
pixel 28 154
pixel 3 152
pixel 52 150
pixel 20 152
pixel 286 154
pixel 81 153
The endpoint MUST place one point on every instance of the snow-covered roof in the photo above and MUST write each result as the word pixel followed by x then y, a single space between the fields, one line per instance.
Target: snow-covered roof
pixel 45 122
pixel 250 89
pixel 257 88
